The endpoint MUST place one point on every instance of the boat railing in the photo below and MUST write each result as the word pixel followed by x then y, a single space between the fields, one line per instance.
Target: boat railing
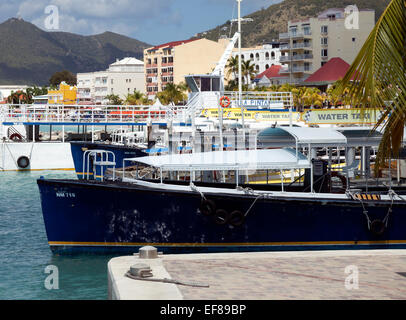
pixel 98 158
pixel 83 114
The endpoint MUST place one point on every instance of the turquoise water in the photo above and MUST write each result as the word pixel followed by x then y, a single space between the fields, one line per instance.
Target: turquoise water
pixel 24 251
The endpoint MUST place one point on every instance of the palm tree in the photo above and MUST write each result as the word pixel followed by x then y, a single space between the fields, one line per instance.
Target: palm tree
pixel 136 98
pixel 377 77
pixel 312 97
pixel 172 94
pixel 114 100
pixel 248 71
pixel 232 68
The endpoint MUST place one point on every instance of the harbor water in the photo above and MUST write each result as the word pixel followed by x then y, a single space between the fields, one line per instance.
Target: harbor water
pixel 25 254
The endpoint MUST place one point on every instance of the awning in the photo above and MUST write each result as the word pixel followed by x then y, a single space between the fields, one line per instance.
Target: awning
pixel 325 136
pixel 228 160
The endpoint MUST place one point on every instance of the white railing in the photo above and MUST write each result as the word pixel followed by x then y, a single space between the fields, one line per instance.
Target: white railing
pixel 80 114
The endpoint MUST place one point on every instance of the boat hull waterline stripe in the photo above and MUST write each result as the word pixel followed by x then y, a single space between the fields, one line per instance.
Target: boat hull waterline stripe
pixel 326 243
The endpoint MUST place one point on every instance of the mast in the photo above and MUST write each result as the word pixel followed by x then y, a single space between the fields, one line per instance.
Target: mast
pixel 240 70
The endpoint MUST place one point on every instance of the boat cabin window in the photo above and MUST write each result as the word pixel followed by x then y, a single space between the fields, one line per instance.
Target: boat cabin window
pixel 203 83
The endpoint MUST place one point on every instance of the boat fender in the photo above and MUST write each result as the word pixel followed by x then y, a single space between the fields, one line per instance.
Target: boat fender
pixel 23 162
pixel 236 218
pixel 207 207
pixel 221 217
pixel 377 227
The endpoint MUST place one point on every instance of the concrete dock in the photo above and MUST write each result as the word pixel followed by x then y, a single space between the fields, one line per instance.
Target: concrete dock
pixel 314 275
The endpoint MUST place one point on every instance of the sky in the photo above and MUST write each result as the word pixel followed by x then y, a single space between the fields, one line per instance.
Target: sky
pixel 151 21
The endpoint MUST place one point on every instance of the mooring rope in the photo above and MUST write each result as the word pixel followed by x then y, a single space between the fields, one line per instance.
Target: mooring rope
pixel 172 281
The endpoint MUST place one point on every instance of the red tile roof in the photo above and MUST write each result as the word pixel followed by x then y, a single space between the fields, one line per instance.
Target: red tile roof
pixel 172 44
pixel 272 72
pixel 335 69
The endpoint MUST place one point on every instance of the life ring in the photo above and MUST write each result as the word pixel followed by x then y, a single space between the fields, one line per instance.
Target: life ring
pixel 225 102
pixel 236 218
pixel 221 217
pixel 342 178
pixel 16 136
pixel 377 227
pixel 23 162
pixel 207 207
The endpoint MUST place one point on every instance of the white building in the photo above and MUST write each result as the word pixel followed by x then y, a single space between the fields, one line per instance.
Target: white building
pixel 7 90
pixel 263 57
pixel 123 77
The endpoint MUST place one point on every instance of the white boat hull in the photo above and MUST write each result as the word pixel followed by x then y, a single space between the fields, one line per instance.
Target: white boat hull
pixel 41 156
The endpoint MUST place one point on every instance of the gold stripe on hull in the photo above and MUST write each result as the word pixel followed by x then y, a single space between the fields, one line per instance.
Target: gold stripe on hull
pixel 243 244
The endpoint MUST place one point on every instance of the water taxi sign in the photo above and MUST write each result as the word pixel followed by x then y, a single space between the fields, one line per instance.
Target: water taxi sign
pixel 265 115
pixel 342 116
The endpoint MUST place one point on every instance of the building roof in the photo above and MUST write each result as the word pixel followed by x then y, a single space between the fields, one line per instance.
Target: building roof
pixel 271 72
pixel 171 44
pixel 335 69
pixel 127 61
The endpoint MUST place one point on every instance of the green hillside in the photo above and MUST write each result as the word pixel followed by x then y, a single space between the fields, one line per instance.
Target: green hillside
pixel 30 55
pixel 268 23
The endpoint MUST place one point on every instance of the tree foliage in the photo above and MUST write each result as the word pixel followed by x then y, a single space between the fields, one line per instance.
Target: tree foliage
pixel 61 76
pixel 377 78
pixel 137 98
pixel 173 94
pixel 114 100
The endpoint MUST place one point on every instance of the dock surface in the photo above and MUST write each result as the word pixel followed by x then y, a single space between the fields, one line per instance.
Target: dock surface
pixel 314 275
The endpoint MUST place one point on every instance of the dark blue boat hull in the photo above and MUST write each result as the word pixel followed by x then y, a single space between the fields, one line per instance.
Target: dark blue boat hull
pixel 101 217
pixel 120 152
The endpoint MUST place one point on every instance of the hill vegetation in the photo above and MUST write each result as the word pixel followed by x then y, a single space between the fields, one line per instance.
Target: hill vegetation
pixel 269 22
pixel 31 56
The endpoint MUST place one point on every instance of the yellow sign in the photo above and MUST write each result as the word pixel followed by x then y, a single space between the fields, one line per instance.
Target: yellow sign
pixel 341 116
pixel 265 115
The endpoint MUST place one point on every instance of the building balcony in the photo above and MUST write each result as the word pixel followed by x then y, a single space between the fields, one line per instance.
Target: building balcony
pixel 302 45
pixel 168 64
pixel 83 95
pixel 301 69
pixel 284 59
pixel 284 47
pixel 295 35
pixel 298 57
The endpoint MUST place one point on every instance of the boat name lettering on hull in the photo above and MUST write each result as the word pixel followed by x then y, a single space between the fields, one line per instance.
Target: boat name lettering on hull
pixel 63 194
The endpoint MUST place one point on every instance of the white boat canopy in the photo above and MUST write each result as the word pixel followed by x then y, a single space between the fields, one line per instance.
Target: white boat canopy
pixel 324 136
pixel 228 160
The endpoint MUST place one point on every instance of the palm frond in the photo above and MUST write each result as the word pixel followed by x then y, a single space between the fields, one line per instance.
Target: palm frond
pixel 377 78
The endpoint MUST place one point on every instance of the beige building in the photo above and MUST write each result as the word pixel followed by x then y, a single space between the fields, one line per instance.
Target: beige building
pixel 310 43
pixel 170 62
pixel 123 77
